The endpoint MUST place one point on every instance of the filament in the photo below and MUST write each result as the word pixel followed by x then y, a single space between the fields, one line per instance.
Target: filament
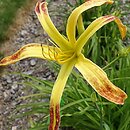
pixel 54 53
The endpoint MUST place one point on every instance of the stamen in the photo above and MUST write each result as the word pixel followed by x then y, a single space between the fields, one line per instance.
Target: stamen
pixel 66 56
pixel 49 50
pixel 43 51
pixel 54 53
pixel 53 43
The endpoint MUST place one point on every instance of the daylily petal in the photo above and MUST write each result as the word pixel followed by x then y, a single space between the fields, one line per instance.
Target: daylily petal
pixel 96 25
pixel 31 50
pixel 122 28
pixel 45 20
pixel 57 93
pixel 97 78
pixel 80 25
pixel 72 20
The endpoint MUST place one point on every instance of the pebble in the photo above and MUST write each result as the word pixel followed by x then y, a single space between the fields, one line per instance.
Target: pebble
pixel 29 72
pixel 15 86
pixel 32 62
pixel 14 128
pixel 7 95
pixel 19 40
pixel 23 33
pixel 8 79
pixel 26 63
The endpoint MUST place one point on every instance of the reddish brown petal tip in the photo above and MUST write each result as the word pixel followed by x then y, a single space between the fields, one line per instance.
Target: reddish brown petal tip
pixel 37 8
pixel 10 59
pixel 44 7
pixel 54 117
pixel 114 95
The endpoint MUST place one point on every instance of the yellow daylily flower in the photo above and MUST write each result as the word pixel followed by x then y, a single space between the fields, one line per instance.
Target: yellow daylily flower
pixel 67 52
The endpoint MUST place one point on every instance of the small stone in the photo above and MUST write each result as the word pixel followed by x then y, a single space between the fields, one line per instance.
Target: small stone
pixel 32 62
pixel 26 63
pixel 23 32
pixel 49 77
pixel 48 73
pixel 14 87
pixel 8 79
pixel 19 40
pixel 12 92
pixel 22 94
pixel 29 72
pixel 7 95
pixel 14 103
pixel 14 128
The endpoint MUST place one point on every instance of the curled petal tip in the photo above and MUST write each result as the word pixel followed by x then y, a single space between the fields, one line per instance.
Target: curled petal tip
pixel 41 4
pixel 44 7
pixel 37 9
pixel 123 33
pixel 122 27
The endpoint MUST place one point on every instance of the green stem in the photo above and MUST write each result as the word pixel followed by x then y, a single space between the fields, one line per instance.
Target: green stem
pixel 101 119
pixel 113 61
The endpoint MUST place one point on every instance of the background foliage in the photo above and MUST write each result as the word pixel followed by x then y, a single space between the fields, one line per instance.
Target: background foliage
pixel 8 10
